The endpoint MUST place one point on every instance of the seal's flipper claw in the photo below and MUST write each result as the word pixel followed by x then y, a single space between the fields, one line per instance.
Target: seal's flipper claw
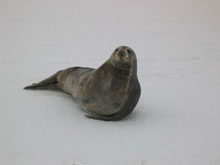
pixel 95 117
pixel 90 117
pixel 104 118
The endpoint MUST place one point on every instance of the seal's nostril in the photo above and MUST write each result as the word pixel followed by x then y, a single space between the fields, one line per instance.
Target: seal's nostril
pixel 121 53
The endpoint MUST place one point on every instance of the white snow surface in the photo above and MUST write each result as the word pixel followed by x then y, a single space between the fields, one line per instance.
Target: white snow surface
pixel 177 119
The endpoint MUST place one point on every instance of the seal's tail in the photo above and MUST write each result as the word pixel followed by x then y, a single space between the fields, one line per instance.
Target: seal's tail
pixel 51 83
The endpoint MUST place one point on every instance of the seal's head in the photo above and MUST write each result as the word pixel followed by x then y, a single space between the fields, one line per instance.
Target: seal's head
pixel 123 57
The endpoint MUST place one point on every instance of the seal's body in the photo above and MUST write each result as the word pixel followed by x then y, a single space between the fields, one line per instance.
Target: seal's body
pixel 109 92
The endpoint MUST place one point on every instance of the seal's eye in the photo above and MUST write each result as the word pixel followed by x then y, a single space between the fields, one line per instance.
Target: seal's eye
pixel 129 51
pixel 116 50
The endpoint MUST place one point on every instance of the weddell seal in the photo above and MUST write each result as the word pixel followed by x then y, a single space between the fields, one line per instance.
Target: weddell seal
pixel 108 93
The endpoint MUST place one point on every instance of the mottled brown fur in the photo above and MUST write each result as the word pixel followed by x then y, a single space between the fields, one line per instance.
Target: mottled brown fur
pixel 109 92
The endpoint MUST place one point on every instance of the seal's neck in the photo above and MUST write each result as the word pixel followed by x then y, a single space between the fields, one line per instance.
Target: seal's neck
pixel 116 71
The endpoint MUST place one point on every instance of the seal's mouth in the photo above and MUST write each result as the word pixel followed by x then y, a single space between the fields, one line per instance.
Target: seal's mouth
pixel 119 64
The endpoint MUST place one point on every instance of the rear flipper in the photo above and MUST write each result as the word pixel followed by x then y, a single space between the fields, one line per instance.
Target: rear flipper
pixel 51 83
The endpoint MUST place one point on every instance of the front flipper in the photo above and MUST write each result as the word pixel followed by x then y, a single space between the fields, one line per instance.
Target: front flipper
pixel 105 118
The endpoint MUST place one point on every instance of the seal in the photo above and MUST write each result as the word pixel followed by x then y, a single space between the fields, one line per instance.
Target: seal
pixel 108 93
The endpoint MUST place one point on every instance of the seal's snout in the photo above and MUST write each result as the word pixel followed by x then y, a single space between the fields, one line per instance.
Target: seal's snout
pixel 122 56
pixel 121 53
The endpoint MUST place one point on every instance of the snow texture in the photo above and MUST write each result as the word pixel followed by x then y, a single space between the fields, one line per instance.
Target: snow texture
pixel 177 119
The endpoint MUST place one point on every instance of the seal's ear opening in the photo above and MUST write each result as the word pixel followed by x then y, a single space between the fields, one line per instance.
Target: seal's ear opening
pixel 129 51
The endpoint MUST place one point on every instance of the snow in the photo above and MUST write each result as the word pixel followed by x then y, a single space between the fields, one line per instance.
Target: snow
pixel 178 47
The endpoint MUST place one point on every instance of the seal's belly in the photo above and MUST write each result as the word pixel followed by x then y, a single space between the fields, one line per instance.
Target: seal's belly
pixel 101 106
pixel 101 98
